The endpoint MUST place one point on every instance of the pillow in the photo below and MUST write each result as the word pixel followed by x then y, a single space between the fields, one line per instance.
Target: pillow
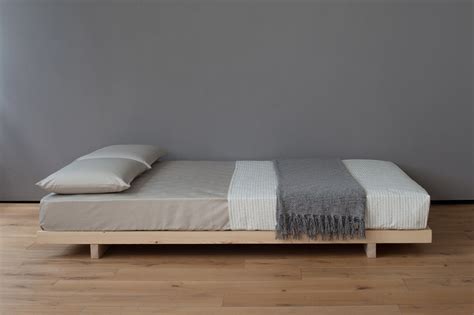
pixel 146 154
pixel 89 176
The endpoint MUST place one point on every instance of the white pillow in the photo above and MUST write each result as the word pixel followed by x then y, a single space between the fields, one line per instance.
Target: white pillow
pixel 101 175
pixel 146 154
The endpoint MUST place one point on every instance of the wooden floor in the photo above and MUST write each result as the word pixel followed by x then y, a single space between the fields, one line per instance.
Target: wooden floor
pixel 234 279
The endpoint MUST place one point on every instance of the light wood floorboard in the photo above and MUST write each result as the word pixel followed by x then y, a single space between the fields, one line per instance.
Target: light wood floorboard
pixel 435 278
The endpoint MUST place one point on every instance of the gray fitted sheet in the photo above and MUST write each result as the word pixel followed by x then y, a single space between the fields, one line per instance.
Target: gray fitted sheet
pixel 173 195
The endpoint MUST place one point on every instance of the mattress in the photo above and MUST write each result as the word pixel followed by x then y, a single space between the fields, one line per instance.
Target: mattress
pixel 225 195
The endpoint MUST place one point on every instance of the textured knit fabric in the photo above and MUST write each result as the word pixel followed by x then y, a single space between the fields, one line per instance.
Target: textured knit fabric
pixel 252 196
pixel 318 197
pixel 394 200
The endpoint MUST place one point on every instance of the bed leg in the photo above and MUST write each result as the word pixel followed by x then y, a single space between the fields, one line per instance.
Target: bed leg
pixel 371 250
pixel 98 250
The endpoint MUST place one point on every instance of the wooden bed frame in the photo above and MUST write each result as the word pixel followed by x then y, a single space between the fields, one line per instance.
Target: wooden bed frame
pixel 99 241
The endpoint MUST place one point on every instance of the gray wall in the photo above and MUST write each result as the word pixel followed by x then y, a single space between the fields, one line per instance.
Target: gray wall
pixel 238 80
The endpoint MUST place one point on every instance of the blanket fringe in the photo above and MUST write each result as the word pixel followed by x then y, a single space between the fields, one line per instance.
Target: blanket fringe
pixel 295 226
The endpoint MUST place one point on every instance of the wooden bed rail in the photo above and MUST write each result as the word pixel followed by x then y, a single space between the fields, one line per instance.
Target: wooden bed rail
pixel 98 240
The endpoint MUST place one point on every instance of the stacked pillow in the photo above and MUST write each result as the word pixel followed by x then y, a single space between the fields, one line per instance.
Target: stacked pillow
pixel 110 169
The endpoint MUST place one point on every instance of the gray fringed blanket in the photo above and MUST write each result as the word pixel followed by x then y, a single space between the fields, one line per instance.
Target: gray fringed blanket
pixel 318 197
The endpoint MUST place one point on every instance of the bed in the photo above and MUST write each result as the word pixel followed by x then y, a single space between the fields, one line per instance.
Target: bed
pixel 224 202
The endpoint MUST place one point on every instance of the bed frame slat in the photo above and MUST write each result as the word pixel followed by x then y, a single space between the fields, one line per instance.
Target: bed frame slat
pixel 98 239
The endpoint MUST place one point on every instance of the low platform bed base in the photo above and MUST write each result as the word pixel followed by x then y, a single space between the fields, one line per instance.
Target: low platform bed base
pixel 99 240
